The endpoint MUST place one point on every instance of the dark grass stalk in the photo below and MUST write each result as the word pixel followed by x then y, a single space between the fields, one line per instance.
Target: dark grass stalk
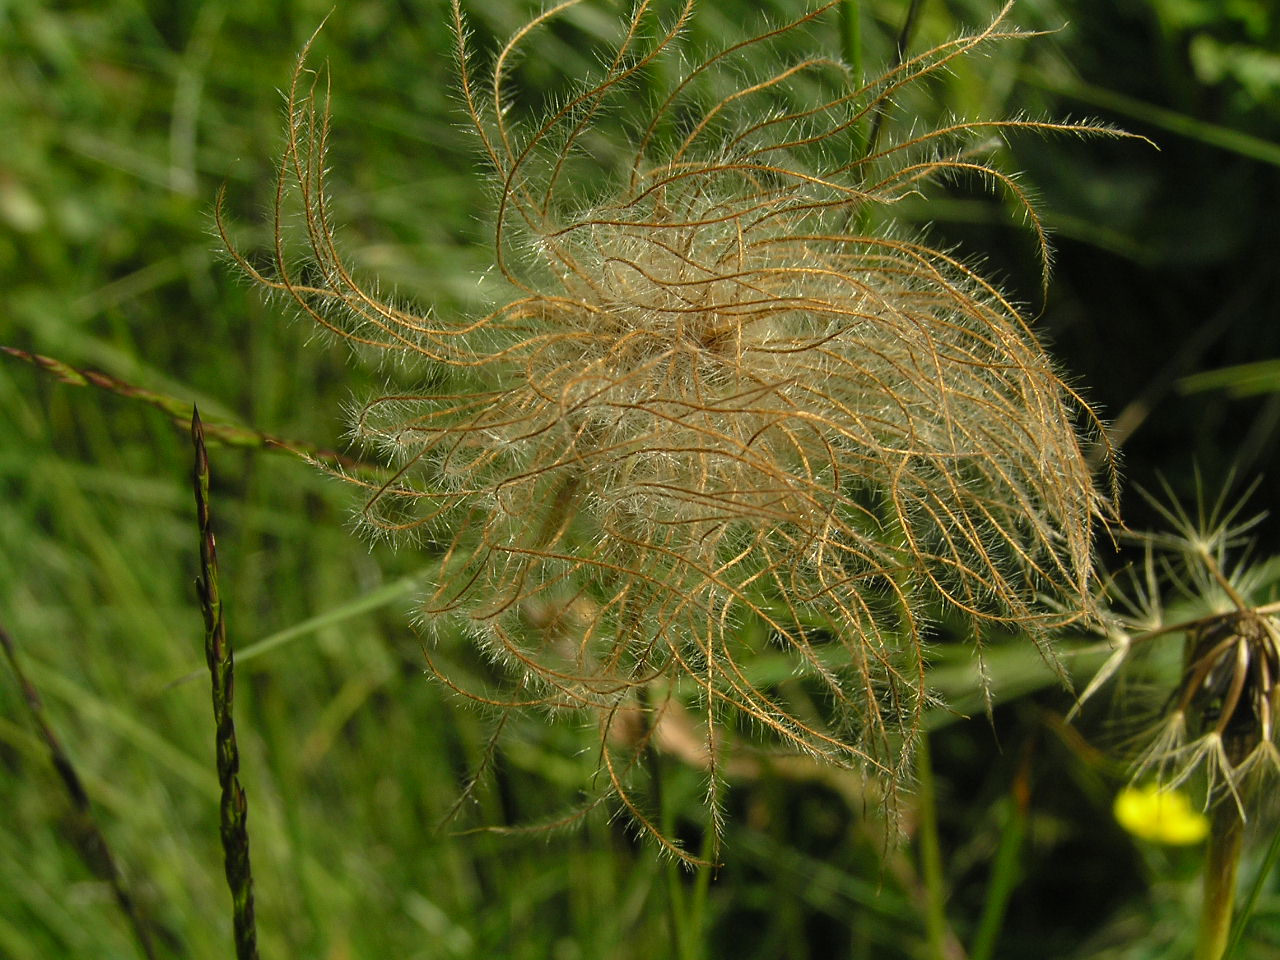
pixel 851 35
pixel 908 30
pixel 233 808
pixel 87 838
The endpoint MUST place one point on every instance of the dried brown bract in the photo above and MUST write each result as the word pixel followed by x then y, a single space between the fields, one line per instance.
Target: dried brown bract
pixel 719 421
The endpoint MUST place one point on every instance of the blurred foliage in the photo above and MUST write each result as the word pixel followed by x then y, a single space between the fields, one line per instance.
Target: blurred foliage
pixel 123 118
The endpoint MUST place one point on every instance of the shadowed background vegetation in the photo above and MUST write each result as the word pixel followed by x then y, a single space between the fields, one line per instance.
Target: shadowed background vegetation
pixel 124 118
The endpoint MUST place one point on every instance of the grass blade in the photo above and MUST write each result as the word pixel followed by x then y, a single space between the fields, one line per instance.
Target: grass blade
pixel 89 841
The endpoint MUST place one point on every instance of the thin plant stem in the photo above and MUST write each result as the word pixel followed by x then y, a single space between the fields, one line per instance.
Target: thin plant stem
pixel 684 935
pixel 1226 833
pixel 1005 868
pixel 851 36
pixel 899 56
pixel 89 841
pixel 685 911
pixel 701 889
pixel 233 809
pixel 675 899
pixel 678 909
pixel 1255 891
pixel 935 916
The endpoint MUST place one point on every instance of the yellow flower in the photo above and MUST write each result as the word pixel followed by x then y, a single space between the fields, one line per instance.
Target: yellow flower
pixel 1160 815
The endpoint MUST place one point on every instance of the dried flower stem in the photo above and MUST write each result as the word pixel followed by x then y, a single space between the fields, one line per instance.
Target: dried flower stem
pixel 1221 865
pixel 233 809
pixel 180 411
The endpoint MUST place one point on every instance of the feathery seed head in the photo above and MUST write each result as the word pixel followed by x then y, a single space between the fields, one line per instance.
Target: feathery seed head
pixel 720 417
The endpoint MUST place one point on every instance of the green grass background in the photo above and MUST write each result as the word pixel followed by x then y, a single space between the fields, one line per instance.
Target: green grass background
pixel 120 121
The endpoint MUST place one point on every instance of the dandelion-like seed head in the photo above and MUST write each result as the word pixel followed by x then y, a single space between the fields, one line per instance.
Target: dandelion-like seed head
pixel 1217 726
pixel 720 417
